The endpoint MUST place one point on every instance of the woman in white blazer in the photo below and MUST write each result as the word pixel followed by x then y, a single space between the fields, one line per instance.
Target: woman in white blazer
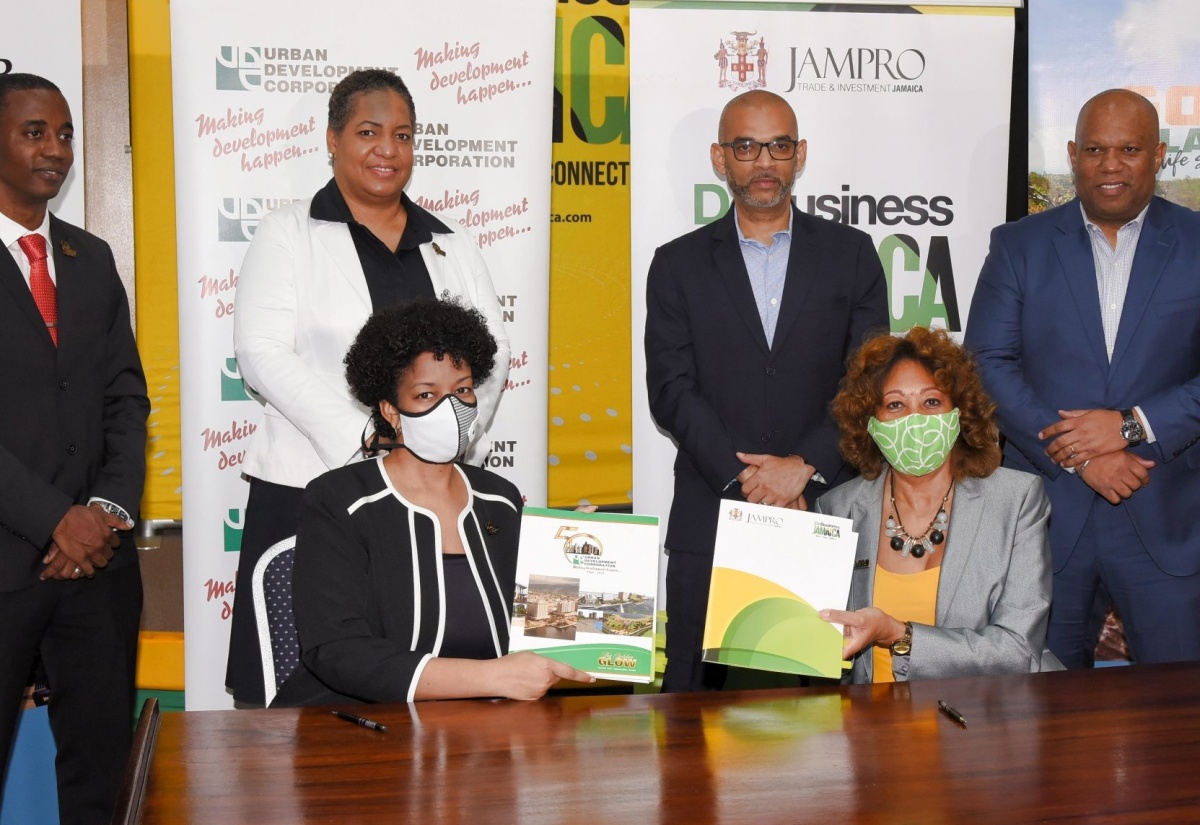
pixel 315 271
pixel 952 571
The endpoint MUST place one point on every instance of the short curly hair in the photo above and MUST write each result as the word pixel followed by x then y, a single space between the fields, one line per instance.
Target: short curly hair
pixel 341 99
pixel 392 340
pixel 977 451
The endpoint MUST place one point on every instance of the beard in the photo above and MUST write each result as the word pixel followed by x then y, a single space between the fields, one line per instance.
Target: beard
pixel 742 192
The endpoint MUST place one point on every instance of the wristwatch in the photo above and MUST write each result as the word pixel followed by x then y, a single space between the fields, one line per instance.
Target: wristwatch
pixel 903 645
pixel 1131 428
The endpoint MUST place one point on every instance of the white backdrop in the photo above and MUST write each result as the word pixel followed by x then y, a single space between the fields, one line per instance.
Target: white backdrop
pixel 251 86
pixel 62 65
pixel 908 110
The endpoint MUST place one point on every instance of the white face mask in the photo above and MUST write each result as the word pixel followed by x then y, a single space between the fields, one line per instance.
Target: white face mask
pixel 441 433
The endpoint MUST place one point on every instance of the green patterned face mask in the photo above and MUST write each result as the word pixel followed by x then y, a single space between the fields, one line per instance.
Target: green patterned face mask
pixel 916 444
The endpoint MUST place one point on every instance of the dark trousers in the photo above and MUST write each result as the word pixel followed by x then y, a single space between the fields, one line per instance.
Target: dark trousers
pixel 272 515
pixel 688 578
pixel 86 632
pixel 1161 612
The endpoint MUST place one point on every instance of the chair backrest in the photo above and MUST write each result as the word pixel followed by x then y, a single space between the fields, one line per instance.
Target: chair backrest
pixel 271 587
pixel 133 786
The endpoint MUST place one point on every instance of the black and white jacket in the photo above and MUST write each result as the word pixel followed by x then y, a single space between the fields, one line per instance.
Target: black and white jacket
pixel 369 587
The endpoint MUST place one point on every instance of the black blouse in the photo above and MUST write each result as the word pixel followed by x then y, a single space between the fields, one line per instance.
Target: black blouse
pixel 467 634
pixel 393 277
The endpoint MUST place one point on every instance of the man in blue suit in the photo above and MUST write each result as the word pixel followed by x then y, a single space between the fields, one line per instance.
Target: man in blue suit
pixel 1086 324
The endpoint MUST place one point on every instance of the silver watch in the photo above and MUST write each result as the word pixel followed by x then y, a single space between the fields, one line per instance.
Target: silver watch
pixel 1131 428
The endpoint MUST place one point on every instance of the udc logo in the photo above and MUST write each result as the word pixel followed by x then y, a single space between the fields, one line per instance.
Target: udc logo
pixel 577 545
pixel 234 520
pixel 237 218
pixel 239 69
pixel 232 386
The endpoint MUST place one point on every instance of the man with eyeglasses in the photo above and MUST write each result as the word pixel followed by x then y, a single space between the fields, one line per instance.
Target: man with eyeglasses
pixel 749 323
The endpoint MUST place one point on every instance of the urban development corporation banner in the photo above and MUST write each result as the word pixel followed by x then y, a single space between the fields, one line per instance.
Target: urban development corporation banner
pixel 906 118
pixel 251 86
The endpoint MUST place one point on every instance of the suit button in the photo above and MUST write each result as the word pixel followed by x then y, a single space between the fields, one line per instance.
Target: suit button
pixel 770 370
pixel 62 385
pixel 72 449
pixel 766 437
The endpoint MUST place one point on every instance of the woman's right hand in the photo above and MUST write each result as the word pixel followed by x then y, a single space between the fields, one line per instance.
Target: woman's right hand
pixel 528 676
pixel 864 627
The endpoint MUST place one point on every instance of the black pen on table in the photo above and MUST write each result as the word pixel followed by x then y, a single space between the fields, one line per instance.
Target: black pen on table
pixel 951 712
pixel 359 720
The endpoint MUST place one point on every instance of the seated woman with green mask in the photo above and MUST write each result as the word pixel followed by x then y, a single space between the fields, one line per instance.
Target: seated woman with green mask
pixel 952 573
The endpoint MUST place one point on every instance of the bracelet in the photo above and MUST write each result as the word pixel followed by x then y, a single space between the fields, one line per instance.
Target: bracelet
pixel 1079 470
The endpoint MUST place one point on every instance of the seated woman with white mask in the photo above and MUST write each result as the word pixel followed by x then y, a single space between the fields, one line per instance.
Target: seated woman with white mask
pixel 952 573
pixel 405 563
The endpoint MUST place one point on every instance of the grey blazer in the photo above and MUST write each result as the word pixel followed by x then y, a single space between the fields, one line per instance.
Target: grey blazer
pixel 993 595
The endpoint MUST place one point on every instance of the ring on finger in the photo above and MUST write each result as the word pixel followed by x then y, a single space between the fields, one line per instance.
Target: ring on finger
pixel 78 571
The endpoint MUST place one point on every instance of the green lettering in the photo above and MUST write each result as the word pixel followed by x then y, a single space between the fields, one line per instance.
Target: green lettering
pixel 614 124
pixel 715 209
pixel 923 309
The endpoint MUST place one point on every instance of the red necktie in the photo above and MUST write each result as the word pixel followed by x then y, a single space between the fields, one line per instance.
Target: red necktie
pixel 44 293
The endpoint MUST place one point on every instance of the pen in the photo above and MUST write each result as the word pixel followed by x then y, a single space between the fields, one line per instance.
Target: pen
pixel 952 713
pixel 358 720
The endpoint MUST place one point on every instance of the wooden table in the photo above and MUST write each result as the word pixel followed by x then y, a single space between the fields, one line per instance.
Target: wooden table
pixel 1115 745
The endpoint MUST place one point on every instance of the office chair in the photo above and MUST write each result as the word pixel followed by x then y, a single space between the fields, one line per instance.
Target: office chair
pixel 271 587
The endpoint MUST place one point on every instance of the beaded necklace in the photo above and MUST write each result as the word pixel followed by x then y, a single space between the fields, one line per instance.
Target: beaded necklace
pixel 934 534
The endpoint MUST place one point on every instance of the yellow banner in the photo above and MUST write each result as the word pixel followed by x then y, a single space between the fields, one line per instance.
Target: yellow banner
pixel 154 249
pixel 591 432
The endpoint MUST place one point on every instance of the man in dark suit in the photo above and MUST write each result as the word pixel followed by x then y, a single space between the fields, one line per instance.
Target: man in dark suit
pixel 72 461
pixel 749 323
pixel 1086 324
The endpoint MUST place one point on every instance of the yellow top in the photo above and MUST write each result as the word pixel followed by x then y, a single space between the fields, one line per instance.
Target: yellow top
pixel 908 597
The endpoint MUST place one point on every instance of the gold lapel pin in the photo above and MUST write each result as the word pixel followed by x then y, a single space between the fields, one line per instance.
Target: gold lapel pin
pixel 438 249
pixel 491 529
pixel 67 249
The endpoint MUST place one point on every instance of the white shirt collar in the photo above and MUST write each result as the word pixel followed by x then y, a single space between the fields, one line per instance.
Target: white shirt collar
pixel 11 231
pixel 742 238
pixel 1092 226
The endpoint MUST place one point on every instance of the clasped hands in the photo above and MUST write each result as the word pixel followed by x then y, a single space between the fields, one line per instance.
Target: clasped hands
pixel 776 481
pixel 83 541
pixel 1094 437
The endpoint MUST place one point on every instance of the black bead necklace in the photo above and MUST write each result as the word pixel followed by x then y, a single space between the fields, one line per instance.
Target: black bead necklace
pixel 934 534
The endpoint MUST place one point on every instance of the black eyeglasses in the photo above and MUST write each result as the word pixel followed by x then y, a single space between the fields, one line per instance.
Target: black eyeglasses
pixel 780 148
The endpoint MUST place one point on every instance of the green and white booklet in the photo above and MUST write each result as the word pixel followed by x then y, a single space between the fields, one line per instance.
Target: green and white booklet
pixel 586 589
pixel 774 570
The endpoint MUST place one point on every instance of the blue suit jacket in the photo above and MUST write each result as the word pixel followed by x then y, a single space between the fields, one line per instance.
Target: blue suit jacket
pixel 1035 328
